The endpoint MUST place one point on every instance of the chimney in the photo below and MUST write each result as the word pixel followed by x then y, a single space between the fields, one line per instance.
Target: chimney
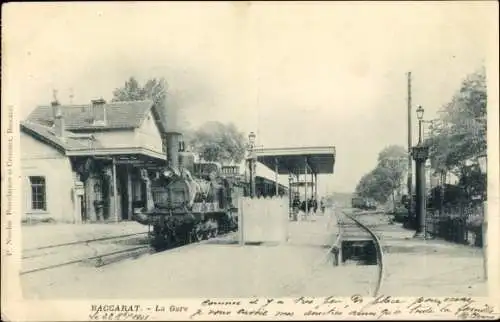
pixel 98 111
pixel 173 139
pixel 54 106
pixel 58 123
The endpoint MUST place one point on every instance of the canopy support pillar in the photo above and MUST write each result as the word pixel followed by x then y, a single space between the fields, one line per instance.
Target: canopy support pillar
pixel 276 193
pixel 115 193
pixel 316 186
pixel 311 171
pixel 305 185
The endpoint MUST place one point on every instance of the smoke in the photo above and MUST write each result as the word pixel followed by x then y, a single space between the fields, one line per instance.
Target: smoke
pixel 188 91
pixel 175 112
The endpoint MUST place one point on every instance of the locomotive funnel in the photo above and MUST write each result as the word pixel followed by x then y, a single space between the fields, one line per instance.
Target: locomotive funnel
pixel 173 146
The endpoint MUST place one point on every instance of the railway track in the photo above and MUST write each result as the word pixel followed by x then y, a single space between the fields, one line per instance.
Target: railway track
pixel 350 227
pixel 83 241
pixel 98 258
pixel 98 250
pixel 90 251
pixel 53 249
pixel 357 240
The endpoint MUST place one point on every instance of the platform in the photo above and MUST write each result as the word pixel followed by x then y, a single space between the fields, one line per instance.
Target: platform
pixel 224 269
pixel 426 267
pixel 215 268
pixel 350 231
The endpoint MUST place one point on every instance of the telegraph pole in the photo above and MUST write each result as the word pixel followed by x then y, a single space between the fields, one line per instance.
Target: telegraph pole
pixel 410 170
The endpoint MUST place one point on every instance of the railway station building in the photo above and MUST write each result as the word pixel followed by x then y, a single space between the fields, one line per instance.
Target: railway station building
pixel 83 162
pixel 86 163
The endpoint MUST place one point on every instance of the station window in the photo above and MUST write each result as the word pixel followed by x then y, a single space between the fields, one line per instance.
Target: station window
pixel 38 193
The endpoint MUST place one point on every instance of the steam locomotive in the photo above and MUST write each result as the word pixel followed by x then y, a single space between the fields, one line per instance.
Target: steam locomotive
pixel 189 201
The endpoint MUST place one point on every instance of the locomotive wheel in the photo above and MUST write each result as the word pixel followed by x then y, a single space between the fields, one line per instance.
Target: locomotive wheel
pixel 159 242
pixel 197 233
pixel 215 230
pixel 186 237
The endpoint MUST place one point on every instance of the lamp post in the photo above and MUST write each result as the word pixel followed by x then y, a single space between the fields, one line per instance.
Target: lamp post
pixel 420 154
pixel 251 162
pixel 483 166
pixel 420 116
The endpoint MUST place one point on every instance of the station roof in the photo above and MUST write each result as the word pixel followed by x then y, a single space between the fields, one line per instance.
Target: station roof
pixel 302 183
pixel 320 160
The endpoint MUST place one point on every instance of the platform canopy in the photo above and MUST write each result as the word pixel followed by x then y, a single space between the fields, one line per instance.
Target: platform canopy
pixel 318 160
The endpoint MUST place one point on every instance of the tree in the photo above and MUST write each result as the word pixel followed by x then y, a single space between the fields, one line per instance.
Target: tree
pixel 394 159
pixel 218 142
pixel 460 133
pixel 473 182
pixel 387 177
pixel 375 185
pixel 154 89
pixel 131 91
pixel 213 141
pixel 364 185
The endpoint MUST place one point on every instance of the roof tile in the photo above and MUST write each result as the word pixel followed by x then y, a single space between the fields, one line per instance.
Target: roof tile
pixel 71 141
pixel 120 115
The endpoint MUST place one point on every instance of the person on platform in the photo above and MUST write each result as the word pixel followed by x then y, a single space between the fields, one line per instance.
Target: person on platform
pixel 303 206
pixel 310 205
pixel 295 207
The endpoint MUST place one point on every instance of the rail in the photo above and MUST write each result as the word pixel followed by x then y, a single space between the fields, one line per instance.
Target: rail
pixel 98 257
pixel 378 248
pixel 81 260
pixel 83 241
pixel 333 250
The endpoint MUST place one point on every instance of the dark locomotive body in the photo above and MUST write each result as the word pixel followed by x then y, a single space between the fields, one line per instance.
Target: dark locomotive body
pixel 189 201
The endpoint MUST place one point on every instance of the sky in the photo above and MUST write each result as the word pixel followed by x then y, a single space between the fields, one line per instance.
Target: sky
pixel 297 74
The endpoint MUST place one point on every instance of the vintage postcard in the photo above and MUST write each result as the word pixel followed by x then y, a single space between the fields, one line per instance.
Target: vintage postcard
pixel 250 161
